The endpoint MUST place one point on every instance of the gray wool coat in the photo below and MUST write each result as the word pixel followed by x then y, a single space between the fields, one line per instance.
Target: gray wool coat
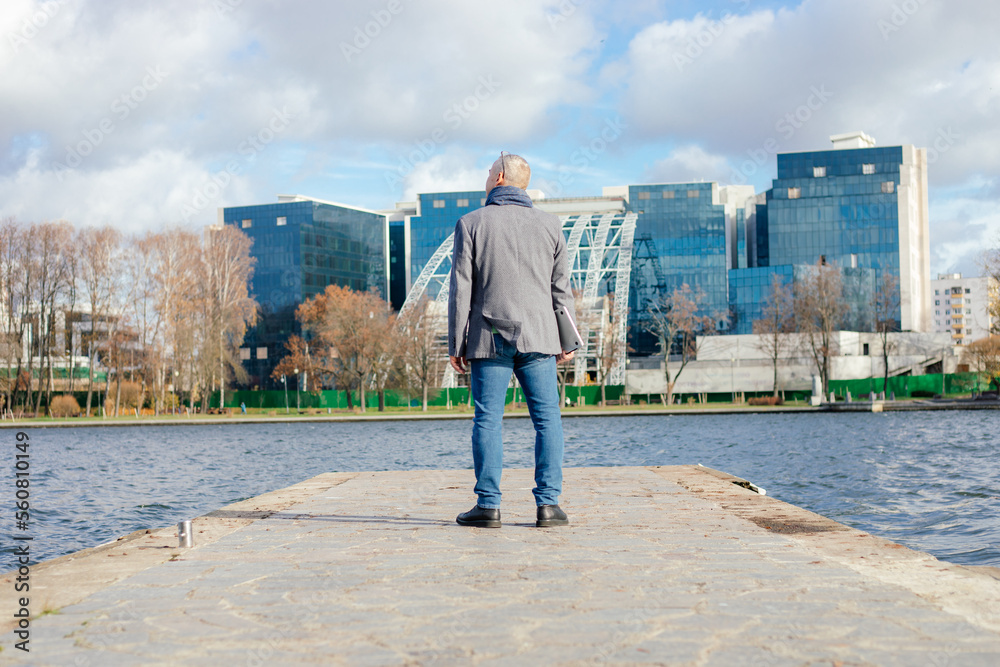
pixel 510 270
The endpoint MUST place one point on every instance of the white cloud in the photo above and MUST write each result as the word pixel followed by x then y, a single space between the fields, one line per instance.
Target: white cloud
pixel 689 164
pixel 965 223
pixel 83 84
pixel 826 66
pixel 448 172
pixel 186 193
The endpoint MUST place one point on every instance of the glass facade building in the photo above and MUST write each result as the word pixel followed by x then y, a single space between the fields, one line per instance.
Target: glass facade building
pixel 436 216
pixel 301 246
pixel 748 293
pixel 682 236
pixel 859 208
pixel 836 203
pixel 750 289
pixel 397 264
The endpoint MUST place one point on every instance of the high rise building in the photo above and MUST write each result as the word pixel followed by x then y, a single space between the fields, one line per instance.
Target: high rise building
pixel 961 306
pixel 301 245
pixel 687 233
pixel 855 206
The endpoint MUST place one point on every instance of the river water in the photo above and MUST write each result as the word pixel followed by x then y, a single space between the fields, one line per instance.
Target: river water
pixel 929 480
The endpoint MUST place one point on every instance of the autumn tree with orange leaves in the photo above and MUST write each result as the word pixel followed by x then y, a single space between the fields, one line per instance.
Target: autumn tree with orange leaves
pixel 353 336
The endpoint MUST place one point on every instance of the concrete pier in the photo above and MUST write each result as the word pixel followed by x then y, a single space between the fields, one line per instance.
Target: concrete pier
pixel 673 565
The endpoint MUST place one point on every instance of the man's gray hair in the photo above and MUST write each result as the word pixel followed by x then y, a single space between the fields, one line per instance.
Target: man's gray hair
pixel 516 171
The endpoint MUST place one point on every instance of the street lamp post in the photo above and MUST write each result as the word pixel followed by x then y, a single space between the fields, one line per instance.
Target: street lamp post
pixel 284 381
pixel 732 378
pixel 298 405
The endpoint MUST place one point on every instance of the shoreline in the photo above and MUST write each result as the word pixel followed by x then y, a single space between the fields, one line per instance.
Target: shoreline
pixel 520 413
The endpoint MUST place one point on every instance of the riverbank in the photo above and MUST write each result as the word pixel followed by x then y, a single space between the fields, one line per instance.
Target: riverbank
pixel 671 564
pixel 233 416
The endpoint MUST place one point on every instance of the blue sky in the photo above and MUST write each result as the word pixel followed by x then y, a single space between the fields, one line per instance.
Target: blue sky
pixel 144 115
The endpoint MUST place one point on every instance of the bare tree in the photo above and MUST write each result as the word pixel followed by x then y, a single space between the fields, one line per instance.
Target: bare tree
pixel 389 344
pixel 175 297
pixel 819 311
pixel 52 249
pixel 15 277
pixel 675 322
pixel 984 356
pixel 119 332
pixel 776 323
pixel 227 268
pixel 423 348
pixel 119 353
pixel 991 268
pixel 885 306
pixel 100 249
pixel 610 340
pixel 142 267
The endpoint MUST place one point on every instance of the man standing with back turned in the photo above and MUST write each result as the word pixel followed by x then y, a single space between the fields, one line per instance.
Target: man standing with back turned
pixel 509 274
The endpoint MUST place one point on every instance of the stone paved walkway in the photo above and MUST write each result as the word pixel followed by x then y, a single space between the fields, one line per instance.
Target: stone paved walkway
pixel 672 565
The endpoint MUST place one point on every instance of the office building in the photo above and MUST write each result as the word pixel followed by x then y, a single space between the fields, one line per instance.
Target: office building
pixel 301 245
pixel 856 206
pixel 687 233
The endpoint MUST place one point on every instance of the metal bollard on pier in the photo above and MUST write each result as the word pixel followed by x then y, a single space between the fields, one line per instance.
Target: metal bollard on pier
pixel 185 535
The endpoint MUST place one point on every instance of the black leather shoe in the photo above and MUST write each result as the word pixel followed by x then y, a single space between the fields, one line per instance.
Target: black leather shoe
pixel 550 515
pixel 480 517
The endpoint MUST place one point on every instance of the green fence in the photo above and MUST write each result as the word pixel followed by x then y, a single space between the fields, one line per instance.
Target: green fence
pixel 337 400
pixel 57 373
pixel 912 386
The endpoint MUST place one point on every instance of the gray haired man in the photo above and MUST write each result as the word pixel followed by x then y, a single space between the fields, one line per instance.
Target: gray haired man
pixel 509 274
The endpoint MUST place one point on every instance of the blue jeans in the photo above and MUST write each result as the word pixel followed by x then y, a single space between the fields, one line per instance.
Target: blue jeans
pixel 537 374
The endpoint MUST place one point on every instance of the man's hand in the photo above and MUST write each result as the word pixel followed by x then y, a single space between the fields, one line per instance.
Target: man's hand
pixel 459 364
pixel 564 356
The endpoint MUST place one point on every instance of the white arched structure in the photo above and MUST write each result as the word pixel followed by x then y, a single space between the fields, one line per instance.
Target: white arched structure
pixel 600 260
